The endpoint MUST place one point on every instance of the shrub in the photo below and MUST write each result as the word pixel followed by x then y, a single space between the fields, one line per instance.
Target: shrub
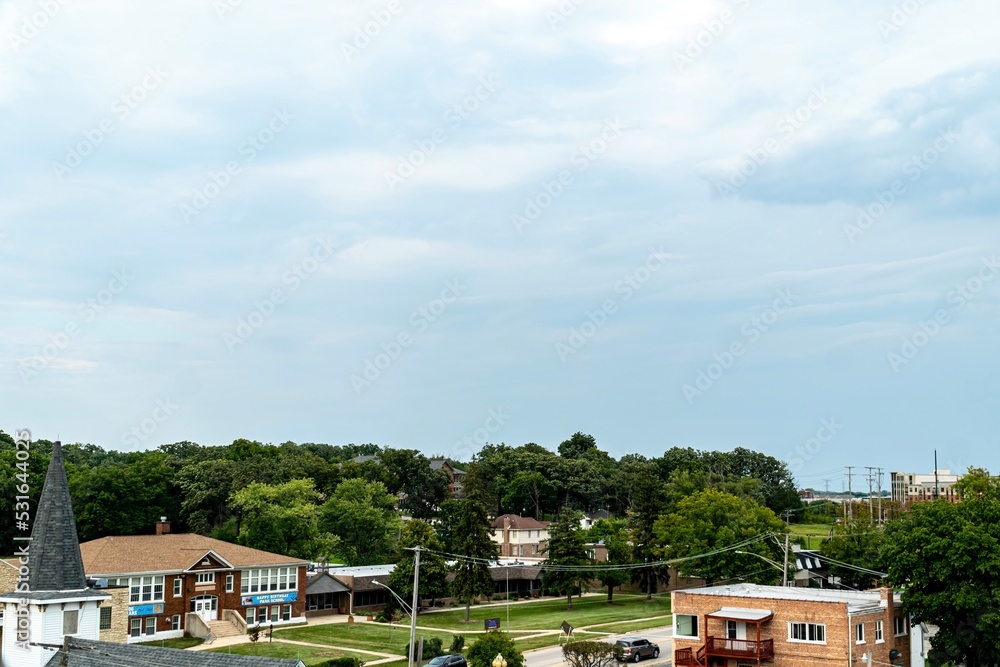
pixel 482 653
pixel 432 649
pixel 457 644
pixel 591 653
pixel 342 662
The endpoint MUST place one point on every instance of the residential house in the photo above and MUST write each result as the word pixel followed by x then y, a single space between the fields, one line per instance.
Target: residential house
pixel 456 477
pixel 590 518
pixel 521 537
pixel 747 624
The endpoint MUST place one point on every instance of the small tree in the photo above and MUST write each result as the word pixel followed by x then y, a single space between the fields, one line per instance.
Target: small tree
pixel 614 534
pixel 254 634
pixel 432 649
pixel 567 548
pixel 474 540
pixel 491 644
pixel 433 570
pixel 591 653
pixel 457 644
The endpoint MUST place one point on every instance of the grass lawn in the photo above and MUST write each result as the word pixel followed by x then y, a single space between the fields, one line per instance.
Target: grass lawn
pixel 630 627
pixel 365 636
pixel 308 654
pixel 550 613
pixel 814 533
pixel 180 642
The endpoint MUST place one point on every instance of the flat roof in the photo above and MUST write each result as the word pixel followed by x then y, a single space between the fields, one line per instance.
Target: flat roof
pixel 855 600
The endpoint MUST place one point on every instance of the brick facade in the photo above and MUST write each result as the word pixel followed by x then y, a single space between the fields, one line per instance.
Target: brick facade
pixel 118 632
pixel 839 619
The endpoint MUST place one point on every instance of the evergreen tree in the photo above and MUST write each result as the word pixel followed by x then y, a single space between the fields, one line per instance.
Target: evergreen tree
pixel 648 504
pixel 567 547
pixel 473 539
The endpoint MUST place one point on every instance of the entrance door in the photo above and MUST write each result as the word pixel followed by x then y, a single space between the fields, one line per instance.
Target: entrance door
pixel 736 633
pixel 207 607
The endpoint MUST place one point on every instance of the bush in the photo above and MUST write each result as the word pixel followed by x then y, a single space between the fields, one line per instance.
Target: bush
pixel 591 654
pixel 432 649
pixel 342 662
pixel 482 653
pixel 387 616
pixel 457 644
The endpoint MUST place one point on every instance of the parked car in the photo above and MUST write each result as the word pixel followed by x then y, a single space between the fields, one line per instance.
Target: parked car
pixel 637 648
pixel 448 661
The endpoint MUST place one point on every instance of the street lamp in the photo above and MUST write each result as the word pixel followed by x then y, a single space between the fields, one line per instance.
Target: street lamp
pixel 499 661
pixel 403 604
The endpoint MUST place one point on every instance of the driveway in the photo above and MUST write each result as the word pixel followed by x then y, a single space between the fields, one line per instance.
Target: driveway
pixel 552 657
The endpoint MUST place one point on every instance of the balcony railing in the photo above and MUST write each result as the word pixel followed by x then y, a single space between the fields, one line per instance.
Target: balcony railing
pixel 740 648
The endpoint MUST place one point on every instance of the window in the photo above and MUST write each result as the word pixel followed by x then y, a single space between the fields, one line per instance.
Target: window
pixel 900 626
pixel 807 632
pixel 269 579
pixel 178 582
pixel 175 622
pixel 229 583
pixel 136 627
pixel 275 611
pixel 144 589
pixel 251 616
pixel 151 625
pixel 879 638
pixel 71 621
pixel 286 612
pixel 105 618
pixel 685 625
pixel 206 578
pixel 859 633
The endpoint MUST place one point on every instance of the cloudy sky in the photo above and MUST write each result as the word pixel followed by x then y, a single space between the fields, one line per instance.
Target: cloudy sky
pixel 705 223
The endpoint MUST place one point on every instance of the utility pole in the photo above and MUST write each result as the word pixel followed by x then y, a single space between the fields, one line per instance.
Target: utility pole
pixel 935 476
pixel 881 521
pixel 649 580
pixel 413 608
pixel 871 510
pixel 784 573
pixel 850 493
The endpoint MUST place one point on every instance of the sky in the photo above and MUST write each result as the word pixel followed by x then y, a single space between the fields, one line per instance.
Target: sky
pixel 434 225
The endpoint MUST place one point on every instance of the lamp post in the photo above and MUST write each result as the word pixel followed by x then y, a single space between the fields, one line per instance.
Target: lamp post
pixel 499 661
pixel 402 603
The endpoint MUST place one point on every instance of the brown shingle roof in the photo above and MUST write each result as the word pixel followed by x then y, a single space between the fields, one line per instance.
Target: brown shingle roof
pixel 520 522
pixel 168 553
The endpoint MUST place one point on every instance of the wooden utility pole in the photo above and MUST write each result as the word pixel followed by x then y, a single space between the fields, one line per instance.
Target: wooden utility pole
pixel 784 573
pixel 413 608
pixel 850 494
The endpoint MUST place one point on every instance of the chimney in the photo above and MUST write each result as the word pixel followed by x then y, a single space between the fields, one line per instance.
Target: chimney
pixel 889 631
pixel 163 527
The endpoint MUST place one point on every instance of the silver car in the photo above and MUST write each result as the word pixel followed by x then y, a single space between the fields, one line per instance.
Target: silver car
pixel 637 648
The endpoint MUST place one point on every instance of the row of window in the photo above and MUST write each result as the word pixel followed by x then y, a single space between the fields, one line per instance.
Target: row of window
pixel 686 625
pixel 142 589
pixel 139 627
pixel 270 579
pixel 258 615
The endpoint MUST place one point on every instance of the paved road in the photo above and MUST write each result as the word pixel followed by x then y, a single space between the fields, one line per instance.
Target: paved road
pixel 552 657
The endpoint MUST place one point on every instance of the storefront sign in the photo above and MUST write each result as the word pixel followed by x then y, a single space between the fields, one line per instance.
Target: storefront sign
pixel 273 598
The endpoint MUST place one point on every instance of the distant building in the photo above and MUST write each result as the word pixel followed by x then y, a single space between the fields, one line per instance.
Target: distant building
pixel 747 624
pixel 521 537
pixel 908 487
pixel 456 477
pixel 589 519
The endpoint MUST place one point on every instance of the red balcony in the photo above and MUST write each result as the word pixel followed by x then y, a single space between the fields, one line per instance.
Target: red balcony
pixel 739 648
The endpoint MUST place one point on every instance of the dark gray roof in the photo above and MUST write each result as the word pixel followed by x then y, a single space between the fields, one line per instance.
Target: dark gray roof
pixel 45 596
pixel 364 458
pixel 86 653
pixel 325 583
pixel 55 564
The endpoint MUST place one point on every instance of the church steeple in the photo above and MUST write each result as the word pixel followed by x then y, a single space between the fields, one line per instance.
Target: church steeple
pixel 56 564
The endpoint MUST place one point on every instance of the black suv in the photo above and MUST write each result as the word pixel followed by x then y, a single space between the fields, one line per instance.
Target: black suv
pixel 635 648
pixel 448 661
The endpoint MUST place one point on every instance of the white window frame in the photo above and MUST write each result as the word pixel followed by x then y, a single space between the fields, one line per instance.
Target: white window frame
pixel 899 622
pixel 230 583
pixel 135 628
pixel 175 622
pixel 859 634
pixel 205 578
pixel 697 627
pixel 110 616
pixel 251 615
pixel 286 612
pixel 814 629
pixel 150 626
pixel 144 589
pixel 879 632
pixel 178 587
pixel 266 580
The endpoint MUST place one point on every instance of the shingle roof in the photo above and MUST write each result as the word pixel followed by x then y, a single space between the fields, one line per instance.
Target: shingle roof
pixel 55 548
pixel 168 553
pixel 520 522
pixel 86 653
pixel 325 583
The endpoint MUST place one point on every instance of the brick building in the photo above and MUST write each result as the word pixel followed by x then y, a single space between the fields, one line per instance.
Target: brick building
pixel 520 537
pixel 177 580
pixel 747 624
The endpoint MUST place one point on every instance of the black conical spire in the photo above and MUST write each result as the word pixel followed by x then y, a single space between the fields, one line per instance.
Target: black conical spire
pixel 56 564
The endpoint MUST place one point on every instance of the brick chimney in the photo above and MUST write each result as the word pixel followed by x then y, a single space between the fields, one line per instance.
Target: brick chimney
pixel 889 631
pixel 163 526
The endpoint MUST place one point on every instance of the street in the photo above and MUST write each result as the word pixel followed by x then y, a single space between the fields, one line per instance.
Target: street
pixel 552 657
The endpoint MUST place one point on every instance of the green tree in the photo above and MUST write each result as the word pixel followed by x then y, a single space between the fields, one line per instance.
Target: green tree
pixel 566 548
pixel 614 535
pixel 578 446
pixel 591 653
pixel 433 569
pixel 283 518
pixel 946 558
pixel 648 504
pixel 490 645
pixel 409 474
pixel 205 488
pixel 855 542
pixel 362 515
pixel 474 543
pixel 712 520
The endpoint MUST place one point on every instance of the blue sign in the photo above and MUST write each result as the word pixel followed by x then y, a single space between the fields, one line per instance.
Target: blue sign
pixel 492 624
pixel 145 610
pixel 273 598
